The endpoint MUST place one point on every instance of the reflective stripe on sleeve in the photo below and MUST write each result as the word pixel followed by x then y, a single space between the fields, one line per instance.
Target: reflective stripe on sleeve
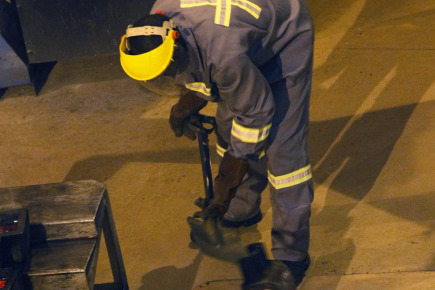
pixel 220 150
pixel 290 179
pixel 250 135
pixel 199 87
pixel 196 3
pixel 248 6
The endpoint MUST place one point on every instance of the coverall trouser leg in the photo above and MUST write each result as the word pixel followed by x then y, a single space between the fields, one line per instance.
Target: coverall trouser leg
pixel 289 170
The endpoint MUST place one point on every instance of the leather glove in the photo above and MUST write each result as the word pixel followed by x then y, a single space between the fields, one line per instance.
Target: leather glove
pixel 206 230
pixel 230 176
pixel 188 105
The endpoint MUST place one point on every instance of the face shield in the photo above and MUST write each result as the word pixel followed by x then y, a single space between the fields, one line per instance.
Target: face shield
pixel 148 65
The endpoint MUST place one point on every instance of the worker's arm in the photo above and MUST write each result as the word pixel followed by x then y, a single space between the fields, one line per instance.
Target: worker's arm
pixel 248 95
pixel 189 104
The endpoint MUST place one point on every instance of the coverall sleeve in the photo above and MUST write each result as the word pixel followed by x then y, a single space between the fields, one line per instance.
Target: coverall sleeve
pixel 248 95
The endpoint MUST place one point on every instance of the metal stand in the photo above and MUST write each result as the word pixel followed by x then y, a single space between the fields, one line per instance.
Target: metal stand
pixel 66 221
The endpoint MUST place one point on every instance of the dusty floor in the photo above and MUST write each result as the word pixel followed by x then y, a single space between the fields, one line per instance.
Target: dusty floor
pixel 372 141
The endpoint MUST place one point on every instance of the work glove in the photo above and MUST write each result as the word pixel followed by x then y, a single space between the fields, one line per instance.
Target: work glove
pixel 206 229
pixel 230 176
pixel 187 106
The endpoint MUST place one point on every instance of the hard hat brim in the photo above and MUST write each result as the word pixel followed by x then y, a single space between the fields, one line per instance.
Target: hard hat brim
pixel 146 66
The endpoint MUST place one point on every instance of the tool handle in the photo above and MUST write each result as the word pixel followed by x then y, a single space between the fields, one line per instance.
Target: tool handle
pixel 197 121
pixel 196 124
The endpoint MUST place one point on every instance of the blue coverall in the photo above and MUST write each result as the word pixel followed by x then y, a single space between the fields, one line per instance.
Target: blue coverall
pixel 254 58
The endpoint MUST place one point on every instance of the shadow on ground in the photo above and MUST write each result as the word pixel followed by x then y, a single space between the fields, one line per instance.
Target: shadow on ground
pixel 171 277
pixel 102 167
pixel 376 77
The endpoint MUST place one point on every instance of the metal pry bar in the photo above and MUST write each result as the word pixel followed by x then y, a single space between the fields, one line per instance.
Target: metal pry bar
pixel 196 124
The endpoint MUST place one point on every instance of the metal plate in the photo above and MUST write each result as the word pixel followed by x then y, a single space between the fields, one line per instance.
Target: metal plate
pixel 13 71
pixel 13 58
pixel 60 257
pixel 61 29
pixel 59 210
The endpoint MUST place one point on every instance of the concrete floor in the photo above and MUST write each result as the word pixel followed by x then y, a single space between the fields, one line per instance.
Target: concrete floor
pixel 372 140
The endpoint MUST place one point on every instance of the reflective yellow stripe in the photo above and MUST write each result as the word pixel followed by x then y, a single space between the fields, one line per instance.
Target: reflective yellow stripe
pixel 195 3
pixel 250 135
pixel 293 178
pixel 223 8
pixel 227 13
pixel 217 16
pixel 199 87
pixel 249 7
pixel 220 150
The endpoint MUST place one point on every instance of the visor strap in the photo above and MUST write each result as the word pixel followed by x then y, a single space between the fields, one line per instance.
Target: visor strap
pixel 151 30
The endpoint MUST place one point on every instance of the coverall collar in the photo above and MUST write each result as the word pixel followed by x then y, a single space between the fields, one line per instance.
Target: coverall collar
pixel 195 66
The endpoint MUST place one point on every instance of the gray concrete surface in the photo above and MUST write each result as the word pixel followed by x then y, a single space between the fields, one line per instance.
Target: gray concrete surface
pixel 372 140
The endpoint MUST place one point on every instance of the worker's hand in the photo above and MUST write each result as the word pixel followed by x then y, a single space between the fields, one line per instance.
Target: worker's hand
pixel 230 176
pixel 188 105
pixel 180 125
pixel 206 229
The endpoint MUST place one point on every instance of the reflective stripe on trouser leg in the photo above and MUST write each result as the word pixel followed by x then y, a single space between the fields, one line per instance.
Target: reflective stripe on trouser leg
pixel 246 202
pixel 291 186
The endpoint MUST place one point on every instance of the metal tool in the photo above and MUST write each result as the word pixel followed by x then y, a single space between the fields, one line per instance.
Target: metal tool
pixel 203 126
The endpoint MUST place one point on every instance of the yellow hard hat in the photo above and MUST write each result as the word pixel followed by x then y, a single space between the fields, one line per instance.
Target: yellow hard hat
pixel 148 65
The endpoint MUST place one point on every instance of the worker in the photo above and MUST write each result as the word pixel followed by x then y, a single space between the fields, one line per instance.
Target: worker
pixel 254 58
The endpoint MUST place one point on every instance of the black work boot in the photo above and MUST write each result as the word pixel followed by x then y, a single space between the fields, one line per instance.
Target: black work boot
pixel 262 274
pixel 298 269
